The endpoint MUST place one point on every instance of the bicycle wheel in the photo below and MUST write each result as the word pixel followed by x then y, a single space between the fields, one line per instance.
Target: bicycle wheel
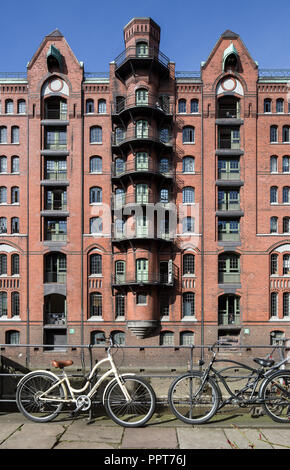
pixel 28 395
pixel 192 402
pixel 135 412
pixel 275 394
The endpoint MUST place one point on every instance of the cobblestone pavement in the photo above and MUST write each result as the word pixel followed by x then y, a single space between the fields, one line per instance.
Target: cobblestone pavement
pixel 238 431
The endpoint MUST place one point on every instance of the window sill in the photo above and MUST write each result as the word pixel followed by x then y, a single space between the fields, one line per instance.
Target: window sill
pixel 286 318
pixel 96 318
pixel 5 318
pixel 189 318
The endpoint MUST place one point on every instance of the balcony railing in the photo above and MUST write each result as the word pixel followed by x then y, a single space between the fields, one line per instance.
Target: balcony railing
pixel 55 113
pixel 135 134
pixel 228 144
pixel 229 206
pixel 229 175
pixel 55 206
pixel 53 144
pixel 57 237
pixel 119 201
pixel 228 113
pixel 229 236
pixel 143 278
pixel 149 166
pixel 54 318
pixel 144 233
pixel 225 318
pixel 53 276
pixel 230 278
pixel 150 101
pixel 56 175
pixel 148 53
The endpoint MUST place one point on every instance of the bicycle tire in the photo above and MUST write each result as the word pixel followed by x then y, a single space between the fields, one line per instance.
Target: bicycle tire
pixel 139 410
pixel 198 409
pixel 27 397
pixel 275 394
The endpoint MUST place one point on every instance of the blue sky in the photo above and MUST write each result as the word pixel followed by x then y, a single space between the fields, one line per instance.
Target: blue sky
pixel 189 29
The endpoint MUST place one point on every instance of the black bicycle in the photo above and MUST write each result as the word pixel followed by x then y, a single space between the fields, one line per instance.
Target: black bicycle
pixel 195 397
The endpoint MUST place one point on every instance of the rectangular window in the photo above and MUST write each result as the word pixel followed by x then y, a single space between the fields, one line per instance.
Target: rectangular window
pixel 274 304
pixel 141 299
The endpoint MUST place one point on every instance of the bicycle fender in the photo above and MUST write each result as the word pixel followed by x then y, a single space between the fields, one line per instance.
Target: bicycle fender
pixel 33 372
pixel 107 386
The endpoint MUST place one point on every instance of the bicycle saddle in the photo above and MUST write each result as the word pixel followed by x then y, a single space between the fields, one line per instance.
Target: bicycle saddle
pixel 264 362
pixel 61 364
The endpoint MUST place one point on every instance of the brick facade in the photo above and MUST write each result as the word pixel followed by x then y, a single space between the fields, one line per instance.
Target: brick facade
pixel 108 163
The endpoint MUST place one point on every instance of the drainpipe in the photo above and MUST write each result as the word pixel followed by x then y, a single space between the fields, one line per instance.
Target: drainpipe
pixel 27 244
pixel 202 228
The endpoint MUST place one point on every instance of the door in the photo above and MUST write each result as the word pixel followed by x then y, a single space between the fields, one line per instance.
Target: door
pixel 142 161
pixel 142 129
pixel 142 270
pixel 142 226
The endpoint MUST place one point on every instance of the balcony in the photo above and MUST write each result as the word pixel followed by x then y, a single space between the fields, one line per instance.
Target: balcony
pixel 133 58
pixel 122 200
pixel 229 277
pixel 55 277
pixel 144 233
pixel 121 140
pixel 146 105
pixel 143 279
pixel 55 319
pixel 225 318
pixel 149 167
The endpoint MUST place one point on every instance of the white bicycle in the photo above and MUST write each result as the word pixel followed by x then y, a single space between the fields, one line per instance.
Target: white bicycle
pixel 128 400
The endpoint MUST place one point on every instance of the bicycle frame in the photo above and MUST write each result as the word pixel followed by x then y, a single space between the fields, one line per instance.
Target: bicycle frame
pixel 72 391
pixel 252 380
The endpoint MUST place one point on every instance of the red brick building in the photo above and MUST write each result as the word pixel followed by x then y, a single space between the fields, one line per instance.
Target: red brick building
pixel 146 202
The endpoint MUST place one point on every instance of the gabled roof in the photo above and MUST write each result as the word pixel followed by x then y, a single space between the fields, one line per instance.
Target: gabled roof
pixel 228 34
pixel 55 34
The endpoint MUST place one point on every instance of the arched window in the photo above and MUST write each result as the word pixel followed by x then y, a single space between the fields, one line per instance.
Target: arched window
pixel 142 49
pixel 96 135
pixel 3 164
pixel 280 106
pixel 274 164
pixel 119 166
pixel 12 337
pixel 164 135
pixel 286 195
pixel 3 304
pixel 15 304
pixel 141 129
pixel 188 264
pixel 96 309
pixel 194 106
pixel 119 305
pixel 188 225
pixel 286 164
pixel 188 165
pixel 228 268
pixel 286 304
pixel 96 225
pixel 3 135
pixel 118 337
pixel 95 195
pixel 96 165
pixel 55 268
pixel 14 265
pixel 141 161
pixel 267 105
pixel 186 338
pixel 286 133
pixel 273 224
pixel 182 106
pixel 120 134
pixel 15 135
pixel 164 195
pixel 188 135
pixel 119 227
pixel 120 271
pixel 21 107
pixel 167 338
pixel 98 337
pixel 14 195
pixel 286 224
pixel 274 264
pixel 15 165
pixel 164 165
pixel 273 134
pixel 89 106
pixel 9 107
pixel 229 310
pixel 188 304
pixel 141 97
pixel 3 264
pixel 188 195
pixel 3 195
pixel 102 106
pixel 273 194
pixel 15 225
pixel 286 265
pixel 95 264
pixel 3 225
pixel 274 304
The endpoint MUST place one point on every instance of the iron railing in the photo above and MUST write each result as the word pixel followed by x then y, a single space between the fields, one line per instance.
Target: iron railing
pixel 150 100
pixel 119 138
pixel 133 52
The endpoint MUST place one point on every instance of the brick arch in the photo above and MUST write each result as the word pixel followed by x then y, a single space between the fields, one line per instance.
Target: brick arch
pixel 56 75
pixel 234 75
